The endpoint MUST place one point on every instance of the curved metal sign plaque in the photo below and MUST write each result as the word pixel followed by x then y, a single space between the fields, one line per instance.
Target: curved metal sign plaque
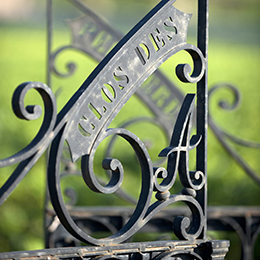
pixel 161 34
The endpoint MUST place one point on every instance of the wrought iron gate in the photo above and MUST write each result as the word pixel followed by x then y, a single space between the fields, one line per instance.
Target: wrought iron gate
pixel 84 122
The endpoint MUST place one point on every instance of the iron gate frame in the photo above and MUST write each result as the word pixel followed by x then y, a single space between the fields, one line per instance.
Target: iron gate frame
pixel 55 129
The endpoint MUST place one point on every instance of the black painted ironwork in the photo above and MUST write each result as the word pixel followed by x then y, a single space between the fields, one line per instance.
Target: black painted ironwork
pixel 110 219
pixel 93 27
pixel 84 122
pixel 152 250
pixel 177 153
pixel 225 138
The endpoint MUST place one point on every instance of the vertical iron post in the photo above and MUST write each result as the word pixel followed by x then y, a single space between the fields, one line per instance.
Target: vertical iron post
pixel 49 40
pixel 202 101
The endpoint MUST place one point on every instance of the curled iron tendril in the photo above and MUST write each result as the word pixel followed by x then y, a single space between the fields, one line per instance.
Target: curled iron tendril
pixel 184 71
pixel 108 153
pixel 224 136
pixel 32 152
pixel 184 228
pixel 33 112
pixel 70 66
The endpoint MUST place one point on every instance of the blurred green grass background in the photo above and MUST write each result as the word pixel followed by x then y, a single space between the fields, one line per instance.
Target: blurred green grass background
pixel 234 57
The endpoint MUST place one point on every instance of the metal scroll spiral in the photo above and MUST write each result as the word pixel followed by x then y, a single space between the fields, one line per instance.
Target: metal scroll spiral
pixel 115 182
pixel 32 152
pixel 184 71
pixel 224 136
pixel 177 155
pixel 70 66
pixel 33 112
pixel 153 122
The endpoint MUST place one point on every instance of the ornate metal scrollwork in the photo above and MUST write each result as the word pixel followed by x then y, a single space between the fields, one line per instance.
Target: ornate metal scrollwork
pixel 83 123
pixel 177 155
pixel 223 136
pixel 32 152
pixel 95 105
